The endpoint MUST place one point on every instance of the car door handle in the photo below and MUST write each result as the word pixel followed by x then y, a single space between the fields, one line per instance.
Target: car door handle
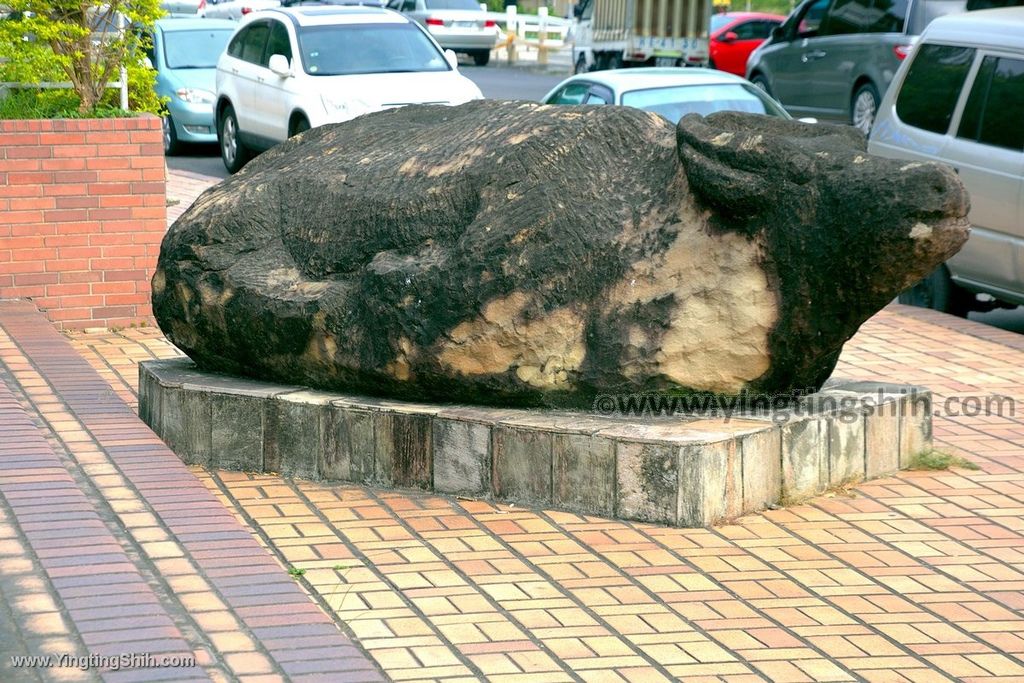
pixel 260 79
pixel 812 55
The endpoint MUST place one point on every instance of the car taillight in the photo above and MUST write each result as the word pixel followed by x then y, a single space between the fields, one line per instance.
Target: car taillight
pixel 901 51
pixel 490 23
pixel 431 21
pixel 246 10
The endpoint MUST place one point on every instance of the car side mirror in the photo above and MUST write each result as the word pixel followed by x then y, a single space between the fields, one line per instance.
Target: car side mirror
pixel 147 62
pixel 453 59
pixel 279 65
pixel 729 37
pixel 577 10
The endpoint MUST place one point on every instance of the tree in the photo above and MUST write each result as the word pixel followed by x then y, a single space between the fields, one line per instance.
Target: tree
pixel 80 41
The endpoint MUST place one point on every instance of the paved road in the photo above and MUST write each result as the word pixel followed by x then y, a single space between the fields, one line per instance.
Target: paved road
pixel 495 83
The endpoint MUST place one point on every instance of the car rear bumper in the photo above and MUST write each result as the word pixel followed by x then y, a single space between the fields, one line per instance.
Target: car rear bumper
pixel 464 39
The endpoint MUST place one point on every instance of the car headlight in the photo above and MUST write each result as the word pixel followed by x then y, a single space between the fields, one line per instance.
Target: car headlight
pixel 195 96
pixel 348 107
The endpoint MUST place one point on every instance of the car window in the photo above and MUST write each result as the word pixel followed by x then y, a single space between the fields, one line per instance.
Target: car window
pixel 255 40
pixel 676 102
pixel 992 4
pixel 344 49
pixel 278 43
pixel 810 21
pixel 746 30
pixel 235 46
pixel 847 16
pixel 599 95
pixel 194 49
pixel 764 29
pixel 995 107
pixel 574 93
pixel 932 86
pixel 888 16
pixel 408 6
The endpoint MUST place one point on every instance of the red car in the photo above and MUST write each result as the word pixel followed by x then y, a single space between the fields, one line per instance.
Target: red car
pixel 734 36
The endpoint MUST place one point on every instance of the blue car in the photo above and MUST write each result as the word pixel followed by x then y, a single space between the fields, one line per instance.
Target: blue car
pixel 184 54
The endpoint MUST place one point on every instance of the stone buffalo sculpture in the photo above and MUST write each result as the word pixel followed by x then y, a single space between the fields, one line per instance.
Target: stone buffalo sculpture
pixel 513 253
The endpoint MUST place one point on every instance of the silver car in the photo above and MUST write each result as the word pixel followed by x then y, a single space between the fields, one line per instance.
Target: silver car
pixel 834 59
pixel 960 100
pixel 668 91
pixel 457 25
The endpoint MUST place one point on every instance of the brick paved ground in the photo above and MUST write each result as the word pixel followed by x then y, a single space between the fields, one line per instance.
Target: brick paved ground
pixel 110 546
pixel 916 577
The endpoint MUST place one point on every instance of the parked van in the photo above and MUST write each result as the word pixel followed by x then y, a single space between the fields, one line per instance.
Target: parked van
pixel 960 100
pixel 834 59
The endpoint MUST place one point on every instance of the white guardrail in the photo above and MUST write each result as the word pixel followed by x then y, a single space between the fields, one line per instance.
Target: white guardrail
pixel 540 31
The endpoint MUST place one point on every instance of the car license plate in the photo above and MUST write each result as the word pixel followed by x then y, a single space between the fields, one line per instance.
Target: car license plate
pixel 464 24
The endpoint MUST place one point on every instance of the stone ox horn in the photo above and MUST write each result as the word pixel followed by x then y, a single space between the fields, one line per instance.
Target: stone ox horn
pixel 519 254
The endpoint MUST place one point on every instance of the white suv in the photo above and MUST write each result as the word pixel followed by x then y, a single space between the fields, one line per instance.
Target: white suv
pixel 286 70
pixel 959 99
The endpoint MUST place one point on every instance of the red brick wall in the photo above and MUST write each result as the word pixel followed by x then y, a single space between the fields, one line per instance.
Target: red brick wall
pixel 82 212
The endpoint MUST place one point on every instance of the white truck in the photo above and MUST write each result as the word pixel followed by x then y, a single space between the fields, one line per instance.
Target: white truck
pixel 609 34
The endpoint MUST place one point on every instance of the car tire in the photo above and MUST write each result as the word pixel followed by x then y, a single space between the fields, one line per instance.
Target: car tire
pixel 233 151
pixel 581 65
pixel 864 107
pixel 761 82
pixel 609 61
pixel 939 293
pixel 172 146
pixel 299 125
pixel 482 57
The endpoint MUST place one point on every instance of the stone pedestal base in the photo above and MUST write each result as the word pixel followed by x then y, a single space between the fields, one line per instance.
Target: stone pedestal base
pixel 686 470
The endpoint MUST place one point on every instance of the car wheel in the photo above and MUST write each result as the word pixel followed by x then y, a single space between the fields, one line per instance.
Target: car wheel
pixel 761 82
pixel 609 61
pixel 581 65
pixel 232 151
pixel 863 108
pixel 171 144
pixel 299 125
pixel 939 293
pixel 482 57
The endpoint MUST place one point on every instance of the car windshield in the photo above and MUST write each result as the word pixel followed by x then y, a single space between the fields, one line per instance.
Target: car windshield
pixel 453 4
pixel 718 21
pixel 368 48
pixel 676 102
pixel 194 49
